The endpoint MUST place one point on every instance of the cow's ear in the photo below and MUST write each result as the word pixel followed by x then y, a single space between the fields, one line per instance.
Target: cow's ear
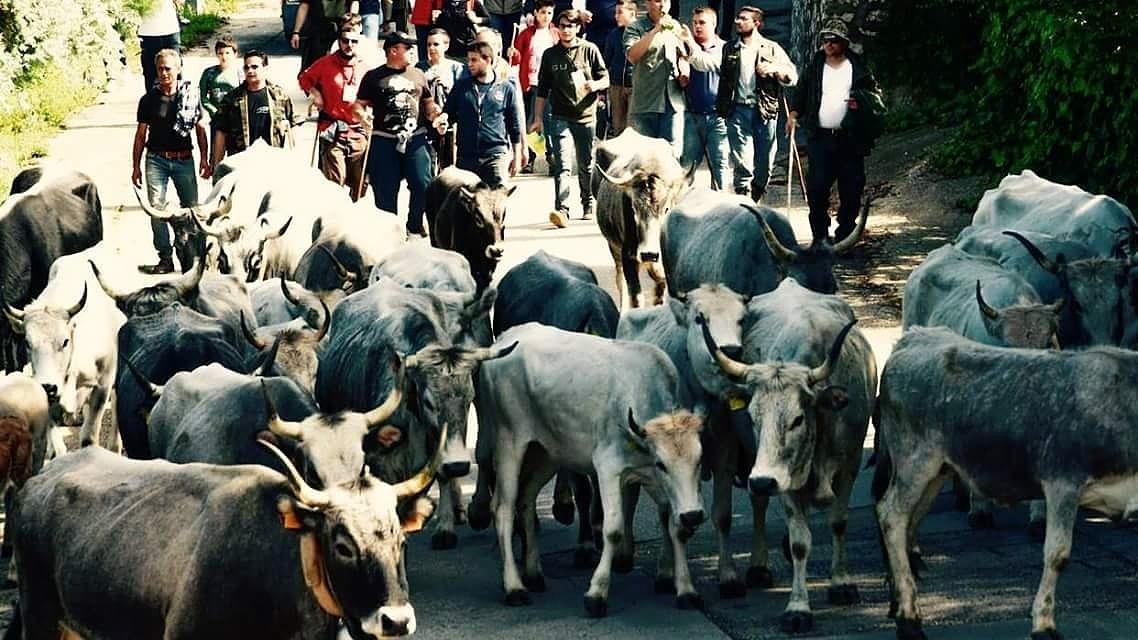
pixel 833 398
pixel 388 436
pixel 297 517
pixel 418 514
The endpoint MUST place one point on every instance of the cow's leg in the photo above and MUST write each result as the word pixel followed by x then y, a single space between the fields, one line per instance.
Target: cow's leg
pixel 759 573
pixel 93 416
pixel 478 514
pixel 563 498
pixel 596 598
pixel 672 572
pixel 508 461
pixel 1037 520
pixel 842 589
pixel 730 586
pixel 539 470
pixel 660 285
pixel 450 497
pixel 631 267
pixel 626 550
pixel 665 561
pixel 585 556
pixel 618 264
pixel 980 512
pixel 1062 508
pixel 797 618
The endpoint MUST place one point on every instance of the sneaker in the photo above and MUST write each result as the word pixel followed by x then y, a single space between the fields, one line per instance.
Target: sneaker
pixel 560 219
pixel 528 169
pixel 589 212
pixel 422 233
pixel 163 266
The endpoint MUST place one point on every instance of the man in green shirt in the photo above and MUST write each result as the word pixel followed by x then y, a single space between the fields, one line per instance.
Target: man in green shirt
pixel 572 73
pixel 220 79
pixel 656 107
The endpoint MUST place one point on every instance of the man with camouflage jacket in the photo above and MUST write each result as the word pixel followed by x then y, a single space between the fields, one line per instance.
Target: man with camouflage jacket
pixel 257 109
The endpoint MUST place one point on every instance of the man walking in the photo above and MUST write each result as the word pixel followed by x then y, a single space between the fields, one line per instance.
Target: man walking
pixel 255 110
pixel 484 106
pixel 572 73
pixel 705 132
pixel 839 105
pixel 159 29
pixel 652 44
pixel 402 109
pixel 167 114
pixel 333 82
pixel 620 70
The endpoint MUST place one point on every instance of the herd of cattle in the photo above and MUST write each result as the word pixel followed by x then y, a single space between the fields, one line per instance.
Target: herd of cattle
pixel 320 371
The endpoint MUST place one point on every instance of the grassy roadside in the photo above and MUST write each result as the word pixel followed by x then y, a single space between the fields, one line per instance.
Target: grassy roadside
pixel 53 91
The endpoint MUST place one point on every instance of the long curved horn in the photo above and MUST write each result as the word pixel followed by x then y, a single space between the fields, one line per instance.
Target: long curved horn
pixel 287 294
pixel 250 336
pixel 206 228
pixel 155 390
pixel 266 369
pixel 849 241
pixel 1042 260
pixel 74 310
pixel 420 481
pixel 117 296
pixel 155 213
pixel 778 250
pixel 15 316
pixel 279 232
pixel 823 371
pixel 1057 306
pixel 309 497
pixel 988 311
pixel 731 367
pixel 190 281
pixel 284 428
pixel 389 406
pixel 342 271
pixel 490 353
pixel 319 335
pixel 616 182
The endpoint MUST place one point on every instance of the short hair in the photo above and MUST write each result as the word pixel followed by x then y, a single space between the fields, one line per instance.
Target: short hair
pixel 439 31
pixel 225 41
pixel 700 10
pixel 571 15
pixel 629 4
pixel 483 49
pixel 756 13
pixel 168 53
pixel 257 53
pixel 492 33
pixel 349 22
pixel 541 4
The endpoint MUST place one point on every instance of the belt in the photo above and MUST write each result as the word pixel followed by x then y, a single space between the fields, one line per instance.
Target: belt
pixel 173 155
pixel 384 134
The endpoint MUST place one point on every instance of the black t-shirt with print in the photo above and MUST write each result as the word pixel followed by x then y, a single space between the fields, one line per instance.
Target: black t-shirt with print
pixel 158 111
pixel 397 98
pixel 260 125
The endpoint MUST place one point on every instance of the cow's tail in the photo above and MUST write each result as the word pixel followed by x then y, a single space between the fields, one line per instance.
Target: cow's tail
pixel 880 459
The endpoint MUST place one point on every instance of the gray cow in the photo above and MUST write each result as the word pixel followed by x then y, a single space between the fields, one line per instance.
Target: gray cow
pixel 1015 424
pixel 289 350
pixel 581 400
pixel 293 558
pixel 809 393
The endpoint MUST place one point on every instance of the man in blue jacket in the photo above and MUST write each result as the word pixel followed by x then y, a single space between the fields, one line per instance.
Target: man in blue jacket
pixel 484 107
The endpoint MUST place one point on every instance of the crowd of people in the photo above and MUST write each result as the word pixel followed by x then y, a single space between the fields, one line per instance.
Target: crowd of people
pixel 453 94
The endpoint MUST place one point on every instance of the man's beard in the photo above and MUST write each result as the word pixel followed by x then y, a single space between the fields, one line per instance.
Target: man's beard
pixel 347 55
pixel 744 33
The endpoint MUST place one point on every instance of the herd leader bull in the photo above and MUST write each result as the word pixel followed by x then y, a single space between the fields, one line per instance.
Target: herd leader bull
pixel 468 216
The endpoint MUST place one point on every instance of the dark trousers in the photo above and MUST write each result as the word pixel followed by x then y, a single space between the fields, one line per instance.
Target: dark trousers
pixel 834 156
pixel 493 168
pixel 387 168
pixel 151 45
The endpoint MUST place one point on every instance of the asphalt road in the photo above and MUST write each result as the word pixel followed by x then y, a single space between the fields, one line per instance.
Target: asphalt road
pixel 979 584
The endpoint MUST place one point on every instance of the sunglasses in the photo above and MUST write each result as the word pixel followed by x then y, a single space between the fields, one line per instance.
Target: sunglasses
pixel 567 26
pixel 350 40
pixel 252 66
pixel 831 39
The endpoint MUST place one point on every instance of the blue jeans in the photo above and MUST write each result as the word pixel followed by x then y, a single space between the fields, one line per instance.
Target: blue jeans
pixel 705 135
pixel 151 45
pixel 668 125
pixel 370 24
pixel 753 147
pixel 504 23
pixel 493 168
pixel 158 173
pixel 387 168
pixel 584 139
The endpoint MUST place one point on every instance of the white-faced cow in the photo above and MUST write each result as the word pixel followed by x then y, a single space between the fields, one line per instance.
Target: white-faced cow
pixel 468 216
pixel 1015 424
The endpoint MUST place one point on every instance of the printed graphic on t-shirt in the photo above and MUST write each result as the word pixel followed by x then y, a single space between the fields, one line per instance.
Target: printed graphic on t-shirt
pixel 400 99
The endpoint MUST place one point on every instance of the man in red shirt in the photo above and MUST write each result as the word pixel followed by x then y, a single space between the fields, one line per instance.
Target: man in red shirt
pixel 333 82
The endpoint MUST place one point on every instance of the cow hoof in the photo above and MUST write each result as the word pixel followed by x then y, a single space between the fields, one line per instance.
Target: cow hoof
pixel 759 578
pixel 981 521
pixel 732 589
pixel 664 585
pixel 596 607
pixel 444 540
pixel 622 563
pixel 534 584
pixel 478 516
pixel 584 558
pixel 843 595
pixel 910 630
pixel 796 621
pixel 1037 531
pixel 459 515
pixel 1049 634
pixel 564 512
pixel 689 601
pixel 517 598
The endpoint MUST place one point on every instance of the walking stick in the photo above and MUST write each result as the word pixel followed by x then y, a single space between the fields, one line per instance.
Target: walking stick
pixel 363 166
pixel 792 158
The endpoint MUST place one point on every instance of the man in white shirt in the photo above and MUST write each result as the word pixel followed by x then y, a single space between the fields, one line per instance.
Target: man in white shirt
pixel 158 30
pixel 839 105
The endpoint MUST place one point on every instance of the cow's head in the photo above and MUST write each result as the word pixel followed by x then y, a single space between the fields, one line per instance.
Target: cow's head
pixel 353 537
pixel 443 380
pixel 722 310
pixel 813 265
pixel 50 336
pixel 468 316
pixel 487 208
pixel 154 298
pixel 292 352
pixel 787 399
pixel 186 223
pixel 653 183
pixel 1094 292
pixel 1025 325
pixel 253 252
pixel 673 442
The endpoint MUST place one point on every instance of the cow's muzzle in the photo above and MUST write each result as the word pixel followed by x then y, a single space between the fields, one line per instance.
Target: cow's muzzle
pixel 649 256
pixel 763 486
pixel 689 522
pixel 494 252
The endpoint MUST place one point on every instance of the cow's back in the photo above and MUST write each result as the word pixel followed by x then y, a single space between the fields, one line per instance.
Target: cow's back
pixel 556 292
pixel 657 326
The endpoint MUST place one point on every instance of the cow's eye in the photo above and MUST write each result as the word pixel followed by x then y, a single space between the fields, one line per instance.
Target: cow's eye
pixel 797 422
pixel 661 467
pixel 343 550
pixel 66 341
